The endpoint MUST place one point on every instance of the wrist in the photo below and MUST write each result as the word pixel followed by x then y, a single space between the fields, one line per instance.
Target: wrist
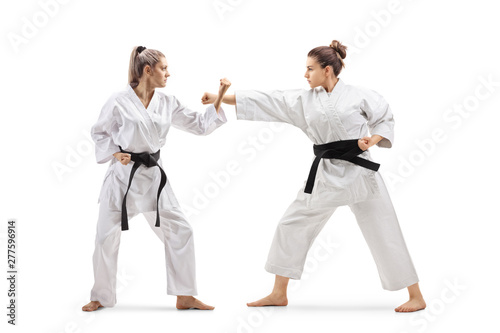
pixel 375 139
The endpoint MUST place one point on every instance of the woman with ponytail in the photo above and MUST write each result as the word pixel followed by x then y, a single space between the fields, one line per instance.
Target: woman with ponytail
pixel 337 118
pixel 129 133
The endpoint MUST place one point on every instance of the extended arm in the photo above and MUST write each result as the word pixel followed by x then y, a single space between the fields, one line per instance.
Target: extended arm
pixel 209 98
pixel 274 105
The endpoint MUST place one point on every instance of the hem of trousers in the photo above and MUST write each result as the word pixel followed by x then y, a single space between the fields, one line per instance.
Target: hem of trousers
pixel 192 292
pixel 106 305
pixel 400 285
pixel 291 273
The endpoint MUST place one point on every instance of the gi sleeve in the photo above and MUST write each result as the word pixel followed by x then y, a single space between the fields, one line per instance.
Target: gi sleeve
pixel 275 105
pixel 195 122
pixel 102 133
pixel 379 118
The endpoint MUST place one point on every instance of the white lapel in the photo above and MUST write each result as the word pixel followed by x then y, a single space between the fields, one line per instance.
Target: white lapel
pixel 329 104
pixel 152 130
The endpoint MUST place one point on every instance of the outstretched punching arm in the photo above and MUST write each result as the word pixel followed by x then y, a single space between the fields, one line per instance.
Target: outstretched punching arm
pixel 209 98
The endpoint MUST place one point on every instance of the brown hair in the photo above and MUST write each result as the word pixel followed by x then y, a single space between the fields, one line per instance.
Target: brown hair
pixel 140 57
pixel 330 56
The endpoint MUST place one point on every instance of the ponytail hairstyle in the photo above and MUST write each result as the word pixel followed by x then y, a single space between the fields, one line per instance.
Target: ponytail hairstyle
pixel 140 57
pixel 330 56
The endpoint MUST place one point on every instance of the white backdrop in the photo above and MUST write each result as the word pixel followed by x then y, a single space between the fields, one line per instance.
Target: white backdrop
pixel 435 62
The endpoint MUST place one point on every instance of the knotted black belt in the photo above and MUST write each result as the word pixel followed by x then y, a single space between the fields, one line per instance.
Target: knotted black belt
pixel 347 150
pixel 149 160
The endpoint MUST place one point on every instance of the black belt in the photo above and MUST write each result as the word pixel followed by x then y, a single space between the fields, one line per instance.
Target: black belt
pixel 347 150
pixel 149 160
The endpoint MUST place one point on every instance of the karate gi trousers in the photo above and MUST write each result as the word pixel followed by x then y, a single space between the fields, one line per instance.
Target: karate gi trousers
pixel 175 233
pixel 378 222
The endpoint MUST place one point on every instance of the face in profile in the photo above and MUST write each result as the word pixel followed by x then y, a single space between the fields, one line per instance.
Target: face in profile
pixel 315 75
pixel 160 73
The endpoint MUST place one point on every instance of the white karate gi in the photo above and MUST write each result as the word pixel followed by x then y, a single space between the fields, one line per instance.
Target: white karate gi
pixel 345 115
pixel 125 122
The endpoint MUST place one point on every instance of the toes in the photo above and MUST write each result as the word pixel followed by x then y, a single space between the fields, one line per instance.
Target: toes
pixel 91 307
pixel 206 307
pixel 194 304
pixel 403 308
pixel 256 303
pixel 409 307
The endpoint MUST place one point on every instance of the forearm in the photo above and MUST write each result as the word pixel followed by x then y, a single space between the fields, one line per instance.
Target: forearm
pixel 217 103
pixel 368 141
pixel 375 139
pixel 224 86
pixel 229 99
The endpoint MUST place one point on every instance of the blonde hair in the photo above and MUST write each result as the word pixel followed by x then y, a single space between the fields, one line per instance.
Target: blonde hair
pixel 140 57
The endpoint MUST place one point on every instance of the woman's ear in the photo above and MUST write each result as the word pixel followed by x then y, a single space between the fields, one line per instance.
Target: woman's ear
pixel 147 70
pixel 328 71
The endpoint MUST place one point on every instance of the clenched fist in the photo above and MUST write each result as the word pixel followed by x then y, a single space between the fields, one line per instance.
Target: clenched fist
pixel 124 158
pixel 209 98
pixel 367 142
pixel 224 86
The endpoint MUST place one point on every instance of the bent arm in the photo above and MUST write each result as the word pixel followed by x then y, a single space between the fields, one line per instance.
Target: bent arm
pixel 197 123
pixel 380 120
pixel 224 86
pixel 102 134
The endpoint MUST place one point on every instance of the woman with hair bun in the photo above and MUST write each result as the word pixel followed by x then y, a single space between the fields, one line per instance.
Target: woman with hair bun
pixel 337 118
pixel 130 131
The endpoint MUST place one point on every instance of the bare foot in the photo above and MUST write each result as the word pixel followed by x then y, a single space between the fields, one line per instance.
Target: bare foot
pixel 271 300
pixel 92 306
pixel 414 304
pixel 189 302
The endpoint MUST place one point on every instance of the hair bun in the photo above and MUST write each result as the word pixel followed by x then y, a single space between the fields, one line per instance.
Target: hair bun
pixel 339 48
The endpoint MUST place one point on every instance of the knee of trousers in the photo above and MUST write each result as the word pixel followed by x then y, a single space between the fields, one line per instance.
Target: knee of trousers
pixel 175 221
pixel 109 223
pixel 105 234
pixel 178 228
